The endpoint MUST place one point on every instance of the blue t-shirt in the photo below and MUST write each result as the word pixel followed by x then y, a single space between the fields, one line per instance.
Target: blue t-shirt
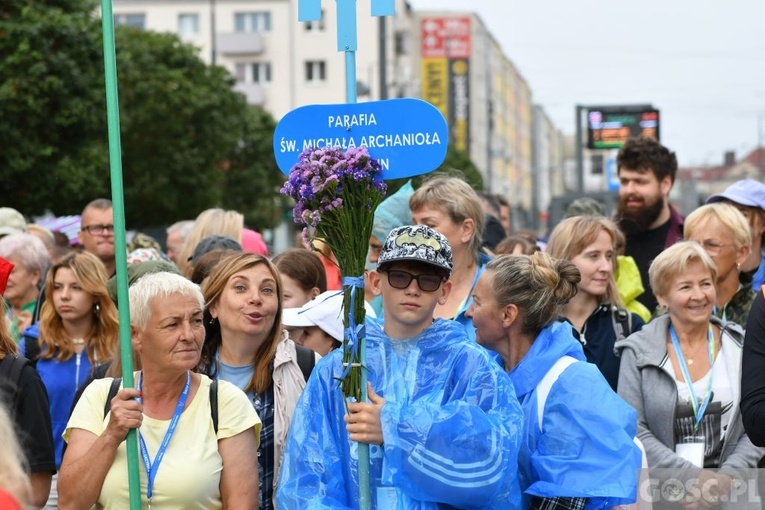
pixel 238 376
pixel 264 406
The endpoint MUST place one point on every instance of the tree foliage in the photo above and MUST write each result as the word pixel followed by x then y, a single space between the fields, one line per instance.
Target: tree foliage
pixel 50 106
pixel 189 141
pixel 252 179
pixel 456 163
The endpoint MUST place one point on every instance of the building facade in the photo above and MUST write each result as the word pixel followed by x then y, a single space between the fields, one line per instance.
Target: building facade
pixel 447 58
pixel 278 62
pixel 464 72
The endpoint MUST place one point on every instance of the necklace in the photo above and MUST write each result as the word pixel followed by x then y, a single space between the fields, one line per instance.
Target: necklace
pixel 78 341
pixel 689 357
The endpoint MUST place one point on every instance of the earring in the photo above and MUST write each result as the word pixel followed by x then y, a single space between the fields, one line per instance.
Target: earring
pixel 96 309
pixel 212 320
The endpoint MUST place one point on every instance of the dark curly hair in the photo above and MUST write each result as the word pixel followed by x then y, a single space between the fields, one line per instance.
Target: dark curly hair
pixel 645 154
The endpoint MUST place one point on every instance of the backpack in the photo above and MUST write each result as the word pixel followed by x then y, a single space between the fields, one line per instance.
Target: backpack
pixel 621 320
pixel 31 346
pixel 306 359
pixel 11 367
pixel 115 387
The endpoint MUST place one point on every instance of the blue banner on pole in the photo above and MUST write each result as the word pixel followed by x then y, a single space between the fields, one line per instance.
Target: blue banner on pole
pixel 383 7
pixel 407 136
pixel 612 175
pixel 309 10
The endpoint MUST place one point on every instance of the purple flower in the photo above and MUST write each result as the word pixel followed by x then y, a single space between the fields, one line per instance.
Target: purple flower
pixel 322 176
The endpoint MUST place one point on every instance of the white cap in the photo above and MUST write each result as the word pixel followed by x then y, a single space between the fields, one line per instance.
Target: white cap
pixel 325 311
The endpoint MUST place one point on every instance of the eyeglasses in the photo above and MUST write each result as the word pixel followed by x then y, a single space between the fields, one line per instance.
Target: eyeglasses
pixel 402 280
pixel 713 247
pixel 99 229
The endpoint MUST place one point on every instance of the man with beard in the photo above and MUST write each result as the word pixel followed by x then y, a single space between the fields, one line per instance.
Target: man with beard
pixel 646 174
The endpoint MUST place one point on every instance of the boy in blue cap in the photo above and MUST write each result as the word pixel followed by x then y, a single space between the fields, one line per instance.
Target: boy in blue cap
pixel 443 423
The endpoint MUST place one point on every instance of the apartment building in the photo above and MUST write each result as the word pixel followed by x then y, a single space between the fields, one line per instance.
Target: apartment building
pixel 447 58
pixel 487 103
pixel 280 63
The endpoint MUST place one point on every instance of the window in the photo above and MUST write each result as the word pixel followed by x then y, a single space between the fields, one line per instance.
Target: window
pixel 253 72
pixel 315 26
pixel 132 20
pixel 188 25
pixel 259 21
pixel 315 71
pixel 402 43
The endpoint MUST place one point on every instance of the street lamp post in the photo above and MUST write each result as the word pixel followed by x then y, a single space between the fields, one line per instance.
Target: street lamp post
pixel 212 32
pixel 760 170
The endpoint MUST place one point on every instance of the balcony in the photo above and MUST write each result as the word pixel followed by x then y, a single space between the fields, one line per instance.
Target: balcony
pixel 252 91
pixel 239 43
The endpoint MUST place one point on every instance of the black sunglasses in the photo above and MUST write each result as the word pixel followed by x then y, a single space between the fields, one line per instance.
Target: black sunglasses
pixel 402 279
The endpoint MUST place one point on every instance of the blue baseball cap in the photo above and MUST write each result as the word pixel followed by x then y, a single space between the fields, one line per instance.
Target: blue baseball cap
pixel 746 192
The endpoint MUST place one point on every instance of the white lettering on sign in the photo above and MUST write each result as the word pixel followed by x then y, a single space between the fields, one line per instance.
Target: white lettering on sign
pixel 371 141
pixel 400 140
pixel 287 145
pixel 349 121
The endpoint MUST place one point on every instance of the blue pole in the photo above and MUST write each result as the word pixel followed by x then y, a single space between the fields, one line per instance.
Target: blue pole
pixel 350 85
pixel 347 43
pixel 364 479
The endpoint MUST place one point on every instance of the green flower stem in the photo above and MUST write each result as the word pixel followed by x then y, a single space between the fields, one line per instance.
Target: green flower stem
pixel 347 231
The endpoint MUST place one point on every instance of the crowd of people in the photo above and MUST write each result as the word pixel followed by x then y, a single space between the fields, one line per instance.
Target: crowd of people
pixel 503 372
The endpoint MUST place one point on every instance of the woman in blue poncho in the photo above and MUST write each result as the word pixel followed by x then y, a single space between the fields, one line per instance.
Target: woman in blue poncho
pixel 577 447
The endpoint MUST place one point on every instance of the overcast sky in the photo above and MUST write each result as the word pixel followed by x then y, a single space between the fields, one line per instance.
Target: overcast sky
pixel 702 63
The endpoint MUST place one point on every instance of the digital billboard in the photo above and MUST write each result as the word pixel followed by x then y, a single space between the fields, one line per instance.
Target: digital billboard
pixel 609 128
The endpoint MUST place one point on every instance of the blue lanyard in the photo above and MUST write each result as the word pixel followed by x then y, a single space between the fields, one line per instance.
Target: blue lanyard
pixel 152 468
pixel 463 304
pixel 698 411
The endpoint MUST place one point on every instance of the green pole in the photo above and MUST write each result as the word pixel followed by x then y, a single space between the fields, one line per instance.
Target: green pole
pixel 120 249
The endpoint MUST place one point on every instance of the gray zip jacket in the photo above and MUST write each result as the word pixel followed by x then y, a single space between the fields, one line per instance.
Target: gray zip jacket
pixel 652 392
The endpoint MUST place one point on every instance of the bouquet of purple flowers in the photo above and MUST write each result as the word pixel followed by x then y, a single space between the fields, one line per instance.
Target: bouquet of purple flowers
pixel 336 194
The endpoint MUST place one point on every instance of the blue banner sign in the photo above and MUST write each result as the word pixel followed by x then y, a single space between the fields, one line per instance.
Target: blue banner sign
pixel 407 136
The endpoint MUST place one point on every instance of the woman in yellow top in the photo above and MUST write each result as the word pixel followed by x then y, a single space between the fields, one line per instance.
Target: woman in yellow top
pixel 170 407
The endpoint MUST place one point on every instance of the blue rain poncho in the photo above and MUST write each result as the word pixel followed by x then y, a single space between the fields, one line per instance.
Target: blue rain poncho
pixel 451 428
pixel 585 448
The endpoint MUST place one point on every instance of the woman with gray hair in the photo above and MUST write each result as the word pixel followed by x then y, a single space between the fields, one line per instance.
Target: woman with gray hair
pixel 31 260
pixel 172 407
pixel 682 373
pixel 451 207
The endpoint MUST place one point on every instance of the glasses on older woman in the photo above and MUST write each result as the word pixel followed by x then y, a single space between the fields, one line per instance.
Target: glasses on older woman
pixel 714 247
